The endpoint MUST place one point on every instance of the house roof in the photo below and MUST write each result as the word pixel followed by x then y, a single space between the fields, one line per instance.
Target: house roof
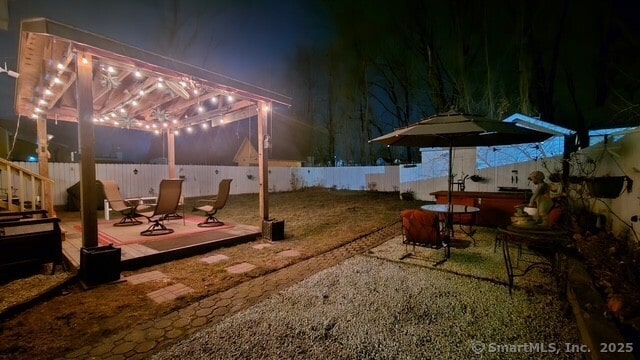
pixel 132 88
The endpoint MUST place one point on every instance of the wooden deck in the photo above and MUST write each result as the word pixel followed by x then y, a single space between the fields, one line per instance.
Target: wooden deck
pixel 140 252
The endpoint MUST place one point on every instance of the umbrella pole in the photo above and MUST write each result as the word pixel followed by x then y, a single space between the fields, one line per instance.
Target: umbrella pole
pixel 449 224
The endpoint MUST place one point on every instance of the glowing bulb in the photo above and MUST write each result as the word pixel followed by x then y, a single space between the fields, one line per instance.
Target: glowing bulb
pixel 160 85
pixel 200 108
pixel 183 83
pixel 204 125
pixel 113 115
pixel 177 132
pixel 57 80
pixel 42 102
pixel 157 132
pixel 123 111
pixel 138 74
pixel 266 108
pixel 48 92
pixel 134 103
pixel 111 70
pixel 38 110
pixel 229 98
pixel 115 122
pixel 84 60
pixel 141 93
pixel 214 100
pixel 175 121
pixel 154 126
pixel 165 125
pixel 189 129
pixel 147 126
pixel 196 91
pixel 95 120
pixel 60 66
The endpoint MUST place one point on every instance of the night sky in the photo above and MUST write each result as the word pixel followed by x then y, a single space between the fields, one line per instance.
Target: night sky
pixel 583 61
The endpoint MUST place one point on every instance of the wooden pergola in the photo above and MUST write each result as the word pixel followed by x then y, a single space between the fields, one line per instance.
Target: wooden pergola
pixel 67 74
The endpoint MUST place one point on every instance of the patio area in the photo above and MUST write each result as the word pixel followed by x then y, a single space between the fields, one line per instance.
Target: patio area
pixel 343 261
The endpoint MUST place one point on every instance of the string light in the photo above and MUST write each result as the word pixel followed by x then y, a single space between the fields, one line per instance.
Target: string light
pixel 138 74
pixel 84 60
pixel 60 66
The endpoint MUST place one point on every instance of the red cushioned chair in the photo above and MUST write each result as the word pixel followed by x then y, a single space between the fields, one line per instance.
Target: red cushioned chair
pixel 421 228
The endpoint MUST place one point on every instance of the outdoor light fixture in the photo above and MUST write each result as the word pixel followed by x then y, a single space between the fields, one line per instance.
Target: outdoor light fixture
pixel 11 73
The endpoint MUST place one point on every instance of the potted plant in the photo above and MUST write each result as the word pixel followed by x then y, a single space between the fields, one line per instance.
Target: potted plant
pixel 476 178
pixel 607 187
pixel 408 195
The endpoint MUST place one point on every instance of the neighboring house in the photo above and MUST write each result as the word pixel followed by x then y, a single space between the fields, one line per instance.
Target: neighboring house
pixel 247 155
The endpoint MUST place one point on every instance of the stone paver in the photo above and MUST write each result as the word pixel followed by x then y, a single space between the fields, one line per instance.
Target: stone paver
pixel 289 253
pixel 169 293
pixel 261 246
pixel 240 268
pixel 215 259
pixel 145 277
pixel 168 329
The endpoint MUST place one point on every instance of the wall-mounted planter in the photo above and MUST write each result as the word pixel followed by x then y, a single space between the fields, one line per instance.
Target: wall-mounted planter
pixel 607 187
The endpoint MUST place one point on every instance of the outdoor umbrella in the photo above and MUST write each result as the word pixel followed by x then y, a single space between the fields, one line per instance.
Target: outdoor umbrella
pixel 453 129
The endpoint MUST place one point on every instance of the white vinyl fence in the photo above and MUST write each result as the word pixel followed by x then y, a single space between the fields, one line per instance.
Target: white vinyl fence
pixel 139 180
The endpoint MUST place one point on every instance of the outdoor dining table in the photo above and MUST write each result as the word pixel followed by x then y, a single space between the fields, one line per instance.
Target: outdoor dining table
pixel 547 243
pixel 457 211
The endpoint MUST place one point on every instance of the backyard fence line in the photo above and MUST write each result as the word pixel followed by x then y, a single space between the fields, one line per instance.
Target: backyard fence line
pixel 142 180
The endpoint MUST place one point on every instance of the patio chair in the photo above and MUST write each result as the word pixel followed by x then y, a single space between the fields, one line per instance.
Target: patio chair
pixel 117 203
pixel 211 206
pixel 422 228
pixel 168 200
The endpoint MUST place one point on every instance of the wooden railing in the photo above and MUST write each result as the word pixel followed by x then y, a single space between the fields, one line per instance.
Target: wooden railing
pixel 22 189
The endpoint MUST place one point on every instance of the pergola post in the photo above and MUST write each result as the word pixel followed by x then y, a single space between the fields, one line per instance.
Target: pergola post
pixel 43 164
pixel 263 163
pixel 86 145
pixel 171 153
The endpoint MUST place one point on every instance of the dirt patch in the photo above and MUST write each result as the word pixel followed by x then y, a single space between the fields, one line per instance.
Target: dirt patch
pixel 317 220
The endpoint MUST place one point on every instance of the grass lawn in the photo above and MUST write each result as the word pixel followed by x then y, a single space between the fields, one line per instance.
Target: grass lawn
pixel 316 221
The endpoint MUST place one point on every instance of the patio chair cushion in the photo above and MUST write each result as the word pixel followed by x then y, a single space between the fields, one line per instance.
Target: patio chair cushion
pixel 421 227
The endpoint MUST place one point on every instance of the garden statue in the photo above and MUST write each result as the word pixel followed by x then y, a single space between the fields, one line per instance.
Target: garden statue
pixel 541 198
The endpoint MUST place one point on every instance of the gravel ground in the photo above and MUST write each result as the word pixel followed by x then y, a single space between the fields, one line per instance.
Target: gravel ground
pixel 369 308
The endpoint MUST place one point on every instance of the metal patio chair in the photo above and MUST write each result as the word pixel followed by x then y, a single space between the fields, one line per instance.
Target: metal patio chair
pixel 168 200
pixel 211 206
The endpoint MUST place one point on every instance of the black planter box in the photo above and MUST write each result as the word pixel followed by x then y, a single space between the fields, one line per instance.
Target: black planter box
pixel 99 265
pixel 273 229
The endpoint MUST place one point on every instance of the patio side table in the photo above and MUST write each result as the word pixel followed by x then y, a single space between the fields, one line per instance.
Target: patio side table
pixel 548 244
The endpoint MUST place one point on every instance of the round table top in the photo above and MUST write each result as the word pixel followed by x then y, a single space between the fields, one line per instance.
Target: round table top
pixel 444 208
